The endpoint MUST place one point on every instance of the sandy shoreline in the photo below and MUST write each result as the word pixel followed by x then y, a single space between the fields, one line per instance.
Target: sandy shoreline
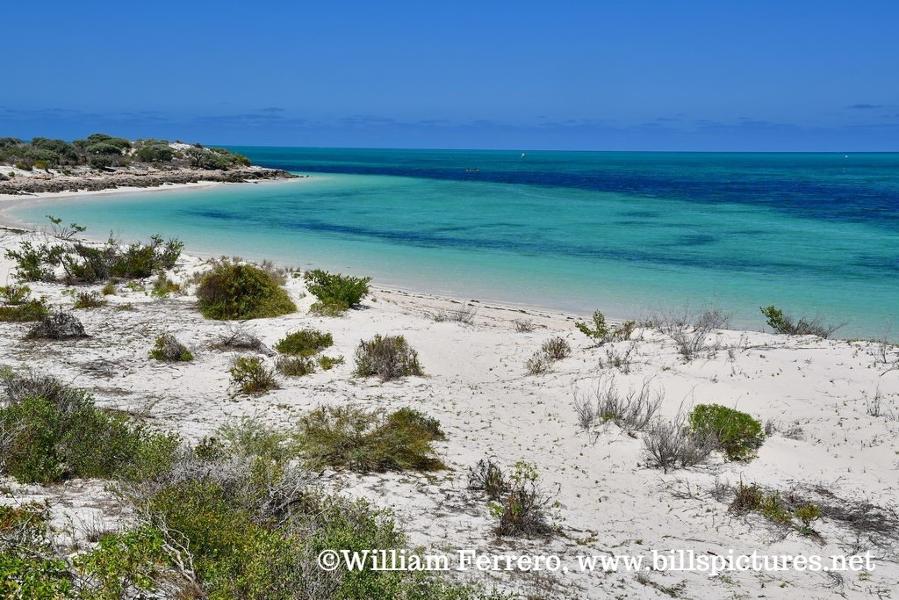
pixel 8 202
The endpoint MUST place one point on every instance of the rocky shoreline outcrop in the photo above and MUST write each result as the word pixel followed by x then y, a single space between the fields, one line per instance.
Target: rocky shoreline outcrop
pixel 96 180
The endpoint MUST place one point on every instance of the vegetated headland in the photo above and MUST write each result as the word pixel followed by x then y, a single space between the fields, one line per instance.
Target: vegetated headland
pixel 101 162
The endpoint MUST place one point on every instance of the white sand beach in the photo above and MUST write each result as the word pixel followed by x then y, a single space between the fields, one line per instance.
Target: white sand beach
pixel 830 409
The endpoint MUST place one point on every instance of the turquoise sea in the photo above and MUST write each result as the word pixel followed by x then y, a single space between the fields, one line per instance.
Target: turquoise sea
pixel 629 233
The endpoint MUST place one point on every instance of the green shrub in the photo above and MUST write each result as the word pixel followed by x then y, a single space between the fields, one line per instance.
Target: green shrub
pixel 51 433
pixel 14 295
pixel 26 576
pixel 236 291
pixel 28 568
pixel 138 261
pixel 234 556
pixel 215 158
pixel 168 349
pixel 109 289
pixel 295 366
pixel 329 362
pixel 752 498
pixel 155 153
pixel 127 564
pixel 249 437
pixel 32 310
pixel 599 332
pixel 336 293
pixel 387 357
pixel 32 515
pixel 82 263
pixel 305 342
pixel 103 138
pixel 239 551
pixel 523 506
pixel 736 433
pixel 782 323
pixel 163 286
pixel 252 376
pixel 33 262
pixel 747 498
pixel 359 440
pixel 231 519
pixel 808 513
pixel 89 300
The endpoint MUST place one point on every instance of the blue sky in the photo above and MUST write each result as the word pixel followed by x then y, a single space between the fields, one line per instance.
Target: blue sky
pixel 637 75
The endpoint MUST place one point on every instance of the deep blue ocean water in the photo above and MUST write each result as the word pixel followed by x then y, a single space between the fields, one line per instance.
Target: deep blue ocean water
pixel 629 233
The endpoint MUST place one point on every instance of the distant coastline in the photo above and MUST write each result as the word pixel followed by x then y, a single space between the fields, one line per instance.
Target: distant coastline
pixel 102 162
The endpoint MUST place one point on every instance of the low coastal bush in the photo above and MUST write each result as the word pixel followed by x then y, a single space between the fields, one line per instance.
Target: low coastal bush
pixel 50 432
pixel 163 286
pixel 19 307
pixel 336 293
pixel 251 376
pixel 215 158
pixel 295 366
pixel 487 476
pixel 556 348
pixel 29 566
pixel 353 438
pixel 753 498
pixel 167 348
pixel 88 300
pixel 33 262
pixel 230 518
pixel 239 338
pixel 101 151
pixel 138 261
pixel 32 310
pixel 81 263
pixel 552 350
pixel 601 332
pixel 783 323
pixel 239 291
pixel 735 433
pixel 14 295
pixel 538 364
pixel 57 326
pixel 524 325
pixel 329 362
pixel 522 508
pixel 155 152
pixel 306 342
pixel 388 357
